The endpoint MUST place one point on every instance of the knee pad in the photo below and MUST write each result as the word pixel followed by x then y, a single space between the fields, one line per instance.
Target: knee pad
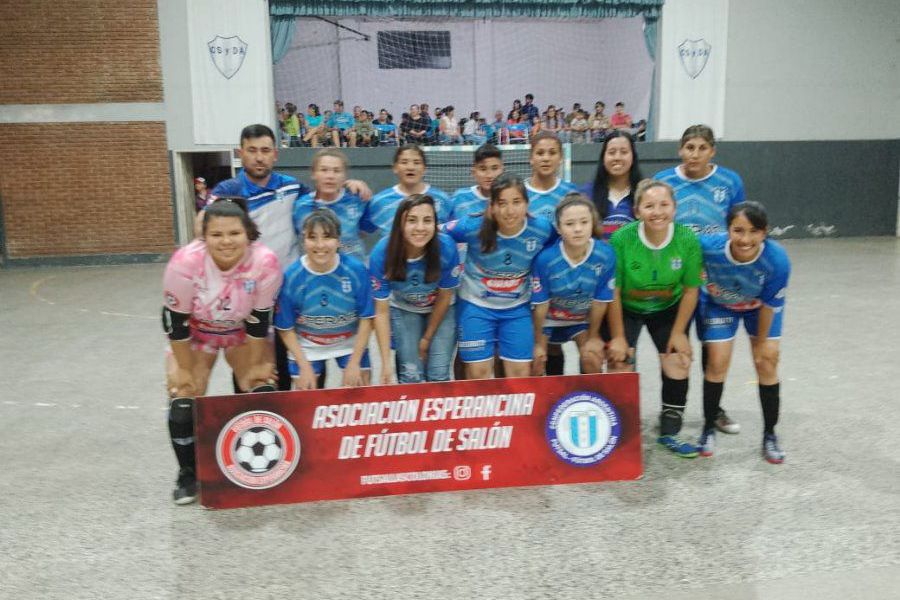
pixel 181 420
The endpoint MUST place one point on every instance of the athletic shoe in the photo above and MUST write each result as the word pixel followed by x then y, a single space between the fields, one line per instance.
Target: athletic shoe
pixel 678 446
pixel 707 442
pixel 771 450
pixel 725 424
pixel 186 487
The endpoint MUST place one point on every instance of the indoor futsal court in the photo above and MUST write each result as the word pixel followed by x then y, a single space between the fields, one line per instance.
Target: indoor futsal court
pixel 462 186
pixel 87 473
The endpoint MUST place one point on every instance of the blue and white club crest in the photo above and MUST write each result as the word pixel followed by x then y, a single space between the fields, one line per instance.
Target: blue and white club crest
pixel 249 285
pixel 583 428
pixel 676 263
pixel 720 195
pixel 530 244
pixel 694 54
pixel 227 54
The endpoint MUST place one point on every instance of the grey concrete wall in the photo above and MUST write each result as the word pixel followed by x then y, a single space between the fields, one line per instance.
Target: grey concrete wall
pixel 820 70
pixel 811 189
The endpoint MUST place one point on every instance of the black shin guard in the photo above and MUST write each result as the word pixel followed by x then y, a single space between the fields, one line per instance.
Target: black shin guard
pixel 555 364
pixel 674 398
pixel 712 395
pixel 181 431
pixel 320 379
pixel 770 399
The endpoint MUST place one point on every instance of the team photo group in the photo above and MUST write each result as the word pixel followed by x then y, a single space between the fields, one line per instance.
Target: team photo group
pixel 489 281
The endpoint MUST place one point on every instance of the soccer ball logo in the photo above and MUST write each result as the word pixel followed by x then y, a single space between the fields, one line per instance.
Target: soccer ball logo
pixel 258 450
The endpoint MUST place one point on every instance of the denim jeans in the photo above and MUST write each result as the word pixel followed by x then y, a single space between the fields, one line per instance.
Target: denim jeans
pixel 407 328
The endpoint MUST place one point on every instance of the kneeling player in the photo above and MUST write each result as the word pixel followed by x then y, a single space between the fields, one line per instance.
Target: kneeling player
pixel 746 279
pixel 219 294
pixel 325 308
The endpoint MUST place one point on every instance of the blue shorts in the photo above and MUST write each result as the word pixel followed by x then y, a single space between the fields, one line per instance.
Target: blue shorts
pixel 480 330
pixel 561 335
pixel 715 323
pixel 319 365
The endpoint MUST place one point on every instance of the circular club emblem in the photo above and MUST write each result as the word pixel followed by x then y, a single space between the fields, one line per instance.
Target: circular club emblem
pixel 258 450
pixel 583 428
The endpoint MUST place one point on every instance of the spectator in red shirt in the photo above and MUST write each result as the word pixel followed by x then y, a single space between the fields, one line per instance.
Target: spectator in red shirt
pixel 620 119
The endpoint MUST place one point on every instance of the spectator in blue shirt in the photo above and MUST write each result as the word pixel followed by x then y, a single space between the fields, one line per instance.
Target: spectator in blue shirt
pixel 340 124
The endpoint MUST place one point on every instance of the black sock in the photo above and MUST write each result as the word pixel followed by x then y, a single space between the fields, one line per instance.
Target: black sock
pixel 674 398
pixel 320 379
pixel 234 384
pixel 555 364
pixel 770 398
pixel 281 364
pixel 712 395
pixel 181 431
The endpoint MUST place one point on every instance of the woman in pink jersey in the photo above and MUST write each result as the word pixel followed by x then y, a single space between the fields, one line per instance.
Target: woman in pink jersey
pixel 219 293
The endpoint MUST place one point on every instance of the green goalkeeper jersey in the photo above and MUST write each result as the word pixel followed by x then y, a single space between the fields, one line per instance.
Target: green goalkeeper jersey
pixel 653 279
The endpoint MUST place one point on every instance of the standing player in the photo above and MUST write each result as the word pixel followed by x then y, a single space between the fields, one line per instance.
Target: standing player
pixel 329 175
pixel 487 165
pixel 270 199
pixel 219 295
pixel 658 266
pixel 573 283
pixel 493 307
pixel 614 183
pixel 414 274
pixel 746 279
pixel 545 190
pixel 705 193
pixel 409 167
pixel 325 308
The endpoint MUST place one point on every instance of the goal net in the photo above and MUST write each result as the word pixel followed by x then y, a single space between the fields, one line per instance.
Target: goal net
pixel 450 167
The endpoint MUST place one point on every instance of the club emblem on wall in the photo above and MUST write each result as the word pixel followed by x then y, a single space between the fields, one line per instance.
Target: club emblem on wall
pixel 227 54
pixel 693 55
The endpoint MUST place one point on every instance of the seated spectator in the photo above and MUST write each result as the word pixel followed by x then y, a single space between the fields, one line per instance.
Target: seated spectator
pixel 416 131
pixel 316 129
pixel 555 124
pixel 363 133
pixel 434 126
pixel 516 107
pixel 471 133
pixel 640 133
pixel 576 108
pixel 517 129
pixel 499 132
pixel 529 109
pixel 620 119
pixel 340 123
pixel 387 131
pixel 578 128
pixel 599 123
pixel 291 125
pixel 448 126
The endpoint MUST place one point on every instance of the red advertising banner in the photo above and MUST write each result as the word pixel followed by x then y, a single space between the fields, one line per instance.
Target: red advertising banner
pixel 284 447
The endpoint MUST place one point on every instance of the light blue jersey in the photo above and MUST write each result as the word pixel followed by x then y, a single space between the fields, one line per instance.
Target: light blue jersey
pixel 325 308
pixel 544 203
pixel 414 293
pixel 571 287
pixel 703 204
pixel 467 201
pixel 380 214
pixel 502 278
pixel 349 209
pixel 744 286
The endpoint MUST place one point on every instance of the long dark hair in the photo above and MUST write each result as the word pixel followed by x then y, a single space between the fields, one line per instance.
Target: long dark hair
pixel 231 206
pixel 395 258
pixel 600 191
pixel 488 232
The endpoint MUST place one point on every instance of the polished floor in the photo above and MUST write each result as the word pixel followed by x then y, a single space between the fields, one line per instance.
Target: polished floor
pixel 87 473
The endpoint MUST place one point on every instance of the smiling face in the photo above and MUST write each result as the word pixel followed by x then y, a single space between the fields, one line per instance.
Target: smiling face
pixel 656 209
pixel 576 223
pixel 329 176
pixel 485 172
pixel 618 157
pixel 226 241
pixel 321 249
pixel 409 168
pixel 545 158
pixel 509 211
pixel 419 227
pixel 696 154
pixel 745 239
